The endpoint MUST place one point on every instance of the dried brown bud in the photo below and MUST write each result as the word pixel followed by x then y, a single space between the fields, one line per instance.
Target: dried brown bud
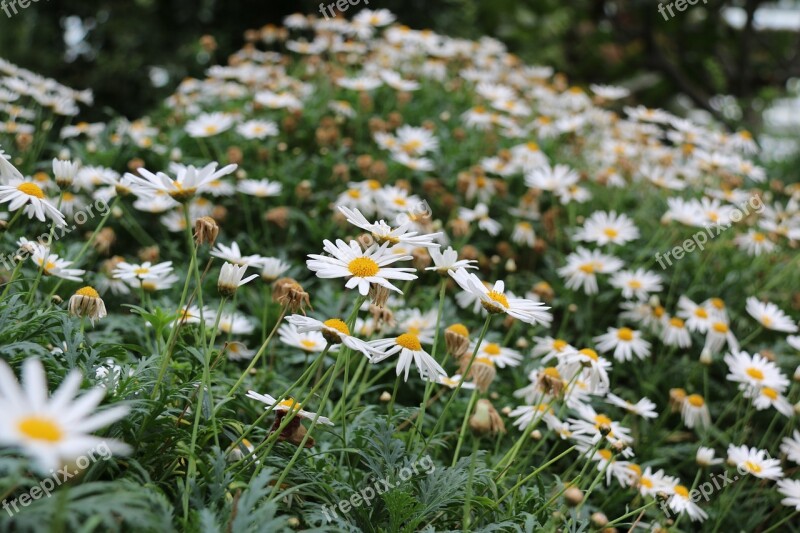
pixel 105 240
pixel 485 419
pixel 289 293
pixel 150 253
pixel 278 216
pixel 206 230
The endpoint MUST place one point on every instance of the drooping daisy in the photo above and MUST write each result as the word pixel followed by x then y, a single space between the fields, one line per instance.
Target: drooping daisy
pixel 86 302
pixel 410 349
pixel 705 457
pixel 593 368
pixel 694 411
pixel 232 323
pixel 549 348
pixel 494 300
pixel 680 503
pixel 625 342
pixel 603 228
pixel 770 316
pixel 234 255
pixel 273 268
pixel 362 267
pixel 287 406
pixel 230 279
pixel 31 198
pixel 237 351
pixel 675 333
pixel 754 462
pixel 335 331
pixel 54 430
pixel 583 266
pixel 719 335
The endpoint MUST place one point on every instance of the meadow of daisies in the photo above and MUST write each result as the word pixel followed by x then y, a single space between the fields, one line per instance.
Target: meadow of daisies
pixel 369 278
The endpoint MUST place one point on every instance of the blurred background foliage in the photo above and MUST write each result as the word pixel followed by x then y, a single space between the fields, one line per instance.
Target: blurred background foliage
pixel 119 48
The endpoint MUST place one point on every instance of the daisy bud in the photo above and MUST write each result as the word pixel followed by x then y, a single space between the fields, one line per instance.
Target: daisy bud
pixel 573 496
pixel 206 230
pixel 86 302
pixel 150 253
pixel 482 373
pixel 676 398
pixel 511 265
pixel 705 357
pixel 385 396
pixel 290 293
pixel 796 375
pixel 536 435
pixel 456 339
pixel 278 216
pixel 293 521
pixel 544 291
pixel 485 419
pixel 64 172
pixel 599 519
pixel 506 410
pixel 230 279
pixel 421 259
pixel 105 240
pixel 57 300
pixel 522 343
pixel 378 295
pixel 3 226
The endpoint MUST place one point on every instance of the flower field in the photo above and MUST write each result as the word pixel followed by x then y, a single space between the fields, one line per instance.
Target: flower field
pixel 369 278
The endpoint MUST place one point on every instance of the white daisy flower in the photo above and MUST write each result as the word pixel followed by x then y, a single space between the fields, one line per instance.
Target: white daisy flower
pixel 770 316
pixel 230 278
pixel 383 232
pixel 260 188
pixel 583 266
pixel 790 488
pixel 644 407
pixel 309 341
pixel 694 411
pixel 335 331
pixel 675 333
pixel 499 355
pixel 754 462
pixel 361 267
pixel 680 503
pixel 54 430
pixel 7 170
pixel 625 342
pixel 651 483
pixel 791 447
pixel 287 406
pixel 209 124
pixel 639 283
pixel 754 372
pixel 234 255
pixel 592 367
pixel 447 261
pixel 29 196
pixel 603 228
pixel 189 180
pixel 52 265
pixel 410 349
pixel 705 457
pixel 257 129
pixel 132 272
pixel 495 301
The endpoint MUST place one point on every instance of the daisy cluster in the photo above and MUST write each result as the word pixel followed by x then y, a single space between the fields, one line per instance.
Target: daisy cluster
pixel 441 207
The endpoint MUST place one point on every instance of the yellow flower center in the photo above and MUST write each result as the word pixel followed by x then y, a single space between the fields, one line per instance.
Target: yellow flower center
pixel 141 271
pixel 354 193
pixel 363 267
pixel 676 322
pixel 588 268
pixel 211 129
pixel 755 373
pixel 559 345
pixel 602 420
pixel 484 361
pixel 758 237
pixel 492 349
pixel 459 329
pixel 720 327
pixel 31 189
pixel 40 428
pixel 532 146
pixel 636 468
pixel 605 454
pixel 772 394
pixel 290 404
pixel 498 297
pixel 635 284
pixel 338 325
pixel 700 313
pixel 752 467
pixel 89 292
pixel 695 400
pixel 409 341
pixel 646 483
pixel 718 303
pixel 611 233
pixel 552 372
pixel 681 491
pixel 625 334
pixel 307 344
pixel 591 354
pixel 767 321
